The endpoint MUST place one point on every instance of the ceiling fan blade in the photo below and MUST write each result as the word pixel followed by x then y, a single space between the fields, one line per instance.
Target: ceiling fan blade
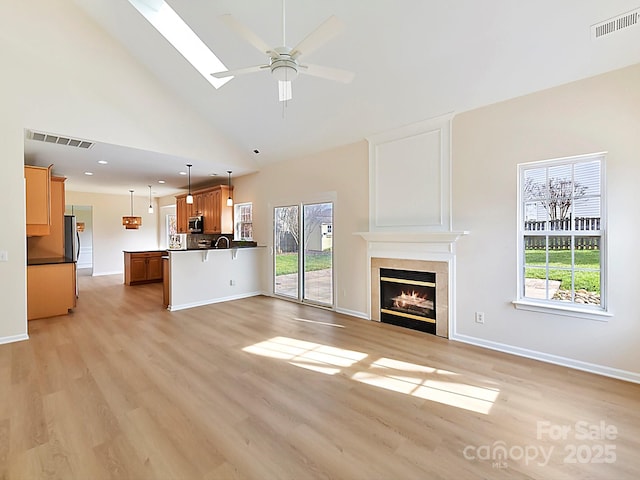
pixel 325 32
pixel 329 73
pixel 240 71
pixel 245 33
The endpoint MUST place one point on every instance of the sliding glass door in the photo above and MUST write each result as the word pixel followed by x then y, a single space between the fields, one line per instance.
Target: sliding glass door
pixel 286 251
pixel 303 267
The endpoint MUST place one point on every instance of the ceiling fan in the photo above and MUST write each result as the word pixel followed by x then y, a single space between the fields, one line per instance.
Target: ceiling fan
pixel 283 61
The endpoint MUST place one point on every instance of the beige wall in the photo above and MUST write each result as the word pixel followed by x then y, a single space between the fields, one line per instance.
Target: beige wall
pixel 62 74
pixel 110 238
pixel 341 173
pixel 593 115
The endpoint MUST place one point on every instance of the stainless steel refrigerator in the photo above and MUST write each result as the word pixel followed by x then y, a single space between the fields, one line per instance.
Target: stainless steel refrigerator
pixel 71 243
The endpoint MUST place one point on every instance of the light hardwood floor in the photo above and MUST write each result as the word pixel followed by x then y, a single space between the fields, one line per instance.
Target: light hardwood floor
pixel 262 388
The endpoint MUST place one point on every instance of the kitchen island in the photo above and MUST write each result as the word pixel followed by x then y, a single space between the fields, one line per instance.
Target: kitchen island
pixel 204 276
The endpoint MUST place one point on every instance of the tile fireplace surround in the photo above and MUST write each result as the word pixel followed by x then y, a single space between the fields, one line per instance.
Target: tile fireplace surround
pixel 430 252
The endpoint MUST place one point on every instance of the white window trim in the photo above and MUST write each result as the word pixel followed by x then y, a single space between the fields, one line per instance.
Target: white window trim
pixel 599 313
pixel 236 222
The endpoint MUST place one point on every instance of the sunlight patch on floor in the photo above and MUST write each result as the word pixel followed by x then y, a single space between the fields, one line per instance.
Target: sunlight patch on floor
pixel 309 355
pixel 432 384
pixel 421 381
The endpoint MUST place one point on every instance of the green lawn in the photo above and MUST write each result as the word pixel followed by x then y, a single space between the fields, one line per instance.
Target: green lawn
pixel 584 259
pixel 288 262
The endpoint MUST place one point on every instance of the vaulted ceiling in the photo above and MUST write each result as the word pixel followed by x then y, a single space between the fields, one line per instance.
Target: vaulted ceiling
pixel 412 59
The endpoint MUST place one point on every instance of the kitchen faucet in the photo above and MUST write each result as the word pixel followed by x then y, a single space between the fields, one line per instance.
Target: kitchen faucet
pixel 218 241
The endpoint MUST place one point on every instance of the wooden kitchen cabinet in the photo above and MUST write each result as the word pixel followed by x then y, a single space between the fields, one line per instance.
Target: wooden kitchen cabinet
pixel 225 212
pixel 51 290
pixel 211 203
pixel 38 200
pixel 182 217
pixel 142 267
pixel 52 245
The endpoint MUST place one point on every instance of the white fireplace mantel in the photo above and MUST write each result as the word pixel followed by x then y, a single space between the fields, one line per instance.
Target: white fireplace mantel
pixel 449 237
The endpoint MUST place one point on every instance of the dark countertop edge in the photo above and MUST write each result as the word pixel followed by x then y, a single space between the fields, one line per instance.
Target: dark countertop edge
pixel 160 250
pixel 215 249
pixel 31 262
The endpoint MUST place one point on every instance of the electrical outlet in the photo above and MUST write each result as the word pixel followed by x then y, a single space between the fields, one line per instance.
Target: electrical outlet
pixel 4 256
pixel 479 317
pixel 232 283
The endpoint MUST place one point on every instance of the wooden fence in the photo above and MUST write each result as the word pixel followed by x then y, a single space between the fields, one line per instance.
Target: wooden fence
pixel 563 242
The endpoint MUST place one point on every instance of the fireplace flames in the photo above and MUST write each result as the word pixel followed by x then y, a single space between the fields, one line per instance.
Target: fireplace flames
pixel 412 301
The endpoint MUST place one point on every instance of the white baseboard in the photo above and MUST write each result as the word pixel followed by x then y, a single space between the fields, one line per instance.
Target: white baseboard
pixel 101 274
pixel 14 338
pixel 352 313
pixel 549 358
pixel 174 308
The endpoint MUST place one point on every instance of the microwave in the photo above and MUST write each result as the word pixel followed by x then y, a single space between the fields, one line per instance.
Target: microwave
pixel 195 224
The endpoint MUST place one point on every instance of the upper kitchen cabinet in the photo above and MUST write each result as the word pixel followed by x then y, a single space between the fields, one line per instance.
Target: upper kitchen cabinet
pixel 223 213
pixel 38 200
pixel 182 216
pixel 211 203
pixel 52 245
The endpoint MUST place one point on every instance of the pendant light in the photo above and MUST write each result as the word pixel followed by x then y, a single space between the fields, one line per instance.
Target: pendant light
pixel 131 222
pixel 150 201
pixel 229 200
pixel 189 196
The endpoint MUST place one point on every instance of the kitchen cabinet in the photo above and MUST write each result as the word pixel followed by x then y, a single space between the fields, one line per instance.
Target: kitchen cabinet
pixel 182 217
pixel 52 245
pixel 51 289
pixel 209 208
pixel 225 212
pixel 211 203
pixel 38 200
pixel 142 267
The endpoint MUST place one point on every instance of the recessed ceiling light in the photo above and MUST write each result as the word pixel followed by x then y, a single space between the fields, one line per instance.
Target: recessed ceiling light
pixel 213 174
pixel 102 162
pixel 161 181
pixel 182 173
pixel 88 173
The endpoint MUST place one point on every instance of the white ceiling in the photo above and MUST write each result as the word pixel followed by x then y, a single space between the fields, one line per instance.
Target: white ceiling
pixel 413 60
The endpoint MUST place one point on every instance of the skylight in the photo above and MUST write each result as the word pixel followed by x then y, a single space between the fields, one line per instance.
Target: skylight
pixel 159 14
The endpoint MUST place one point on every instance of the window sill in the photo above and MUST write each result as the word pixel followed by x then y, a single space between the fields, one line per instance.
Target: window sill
pixel 567 311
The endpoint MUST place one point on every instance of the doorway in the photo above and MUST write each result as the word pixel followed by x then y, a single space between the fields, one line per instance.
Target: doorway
pixel 84 227
pixel 303 252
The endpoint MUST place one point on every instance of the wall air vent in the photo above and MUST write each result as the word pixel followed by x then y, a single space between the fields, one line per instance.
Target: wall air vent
pixel 613 25
pixel 58 139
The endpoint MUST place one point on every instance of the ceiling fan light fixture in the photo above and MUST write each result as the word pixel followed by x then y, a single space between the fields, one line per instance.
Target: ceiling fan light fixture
pixel 284 70
pixel 284 91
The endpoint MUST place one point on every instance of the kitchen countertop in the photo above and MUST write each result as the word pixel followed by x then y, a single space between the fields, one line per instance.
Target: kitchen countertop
pixel 160 250
pixel 48 261
pixel 215 249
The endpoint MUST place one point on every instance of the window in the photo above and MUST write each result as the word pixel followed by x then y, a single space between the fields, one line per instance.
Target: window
pixel 243 221
pixel 561 235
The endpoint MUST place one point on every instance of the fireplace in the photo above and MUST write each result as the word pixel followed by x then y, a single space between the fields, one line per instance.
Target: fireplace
pixel 425 303
pixel 408 299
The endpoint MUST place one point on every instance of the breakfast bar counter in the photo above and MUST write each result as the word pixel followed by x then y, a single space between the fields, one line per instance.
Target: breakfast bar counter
pixel 204 276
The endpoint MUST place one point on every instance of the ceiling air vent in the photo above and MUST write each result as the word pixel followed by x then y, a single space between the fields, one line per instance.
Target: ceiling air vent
pixel 59 140
pixel 613 25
